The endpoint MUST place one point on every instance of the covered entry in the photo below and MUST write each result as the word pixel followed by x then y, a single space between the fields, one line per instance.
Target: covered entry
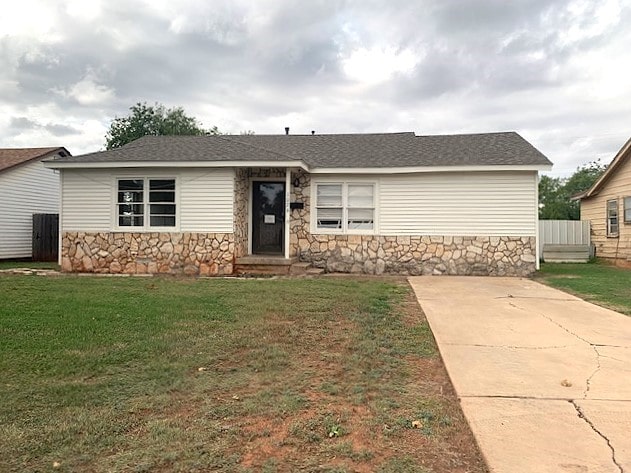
pixel 268 218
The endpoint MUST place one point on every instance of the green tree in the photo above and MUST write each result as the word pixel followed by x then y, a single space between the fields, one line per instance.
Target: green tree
pixel 555 194
pixel 152 120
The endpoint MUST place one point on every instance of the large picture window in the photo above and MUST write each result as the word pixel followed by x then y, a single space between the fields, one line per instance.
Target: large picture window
pixel 146 203
pixel 345 207
pixel 612 218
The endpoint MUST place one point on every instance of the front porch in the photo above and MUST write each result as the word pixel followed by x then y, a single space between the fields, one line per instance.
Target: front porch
pixel 271 211
pixel 276 265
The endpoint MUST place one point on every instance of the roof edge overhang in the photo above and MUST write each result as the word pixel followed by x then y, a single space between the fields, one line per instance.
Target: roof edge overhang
pixel 174 164
pixel 615 163
pixel 40 157
pixel 425 169
pixel 292 164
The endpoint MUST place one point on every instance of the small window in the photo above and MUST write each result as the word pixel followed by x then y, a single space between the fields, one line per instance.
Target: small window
pixel 162 202
pixel 360 206
pixel 345 207
pixel 131 203
pixel 329 206
pixel 627 210
pixel 612 218
pixel 140 197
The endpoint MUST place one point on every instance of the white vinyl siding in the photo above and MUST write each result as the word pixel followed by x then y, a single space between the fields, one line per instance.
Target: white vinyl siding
pixel 86 199
pixel 24 190
pixel 205 198
pixel 459 204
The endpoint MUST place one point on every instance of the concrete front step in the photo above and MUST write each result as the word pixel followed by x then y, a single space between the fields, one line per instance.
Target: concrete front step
pixel 273 265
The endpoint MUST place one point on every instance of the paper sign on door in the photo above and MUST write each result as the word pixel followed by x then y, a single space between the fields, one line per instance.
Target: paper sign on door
pixel 270 218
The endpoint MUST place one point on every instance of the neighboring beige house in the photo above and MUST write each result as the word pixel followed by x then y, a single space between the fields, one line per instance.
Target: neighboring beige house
pixel 607 205
pixel 360 203
pixel 26 188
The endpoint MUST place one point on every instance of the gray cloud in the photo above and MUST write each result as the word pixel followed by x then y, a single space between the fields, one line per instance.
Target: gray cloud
pixel 22 124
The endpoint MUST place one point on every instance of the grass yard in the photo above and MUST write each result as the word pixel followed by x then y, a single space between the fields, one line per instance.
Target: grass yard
pixel 598 282
pixel 165 374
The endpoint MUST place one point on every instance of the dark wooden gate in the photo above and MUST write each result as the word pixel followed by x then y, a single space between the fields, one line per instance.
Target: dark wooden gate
pixel 45 237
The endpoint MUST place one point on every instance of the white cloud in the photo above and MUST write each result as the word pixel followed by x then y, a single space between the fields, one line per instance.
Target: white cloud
pixel 89 91
pixel 378 64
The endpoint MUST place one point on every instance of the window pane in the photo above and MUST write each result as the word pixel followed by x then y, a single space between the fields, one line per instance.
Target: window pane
pixel 162 184
pixel 329 195
pixel 130 185
pixel 166 196
pixel 162 209
pixel 627 209
pixel 129 196
pixel 612 205
pixel 162 221
pixel 130 209
pixel 360 219
pixel 360 195
pixel 128 221
pixel 329 218
pixel 360 201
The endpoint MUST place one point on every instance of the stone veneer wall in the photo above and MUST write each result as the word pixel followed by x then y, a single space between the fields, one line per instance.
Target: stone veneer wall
pixel 204 254
pixel 415 255
pixel 241 196
pixel 299 222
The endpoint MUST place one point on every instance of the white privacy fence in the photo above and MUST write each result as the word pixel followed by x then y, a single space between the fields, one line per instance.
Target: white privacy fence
pixel 563 232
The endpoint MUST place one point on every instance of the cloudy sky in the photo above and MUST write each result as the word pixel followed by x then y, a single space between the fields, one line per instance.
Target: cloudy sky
pixel 558 72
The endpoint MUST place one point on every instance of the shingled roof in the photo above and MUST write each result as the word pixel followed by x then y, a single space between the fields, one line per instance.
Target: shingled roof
pixel 10 157
pixel 379 150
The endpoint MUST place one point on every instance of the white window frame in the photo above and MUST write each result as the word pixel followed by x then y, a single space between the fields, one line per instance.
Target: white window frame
pixel 146 205
pixel 611 233
pixel 626 209
pixel 344 230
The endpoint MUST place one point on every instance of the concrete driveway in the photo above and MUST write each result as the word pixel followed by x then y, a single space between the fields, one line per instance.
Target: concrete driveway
pixel 544 377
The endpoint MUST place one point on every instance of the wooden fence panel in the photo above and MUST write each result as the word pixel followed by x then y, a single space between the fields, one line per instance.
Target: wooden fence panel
pixel 45 237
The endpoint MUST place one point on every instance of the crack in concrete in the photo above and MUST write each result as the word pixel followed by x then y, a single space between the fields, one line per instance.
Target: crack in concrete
pixel 589 380
pixel 532 398
pixel 578 337
pixel 510 296
pixel 609 346
pixel 582 415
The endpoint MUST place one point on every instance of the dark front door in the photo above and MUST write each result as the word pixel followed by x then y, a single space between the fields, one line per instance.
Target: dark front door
pixel 268 217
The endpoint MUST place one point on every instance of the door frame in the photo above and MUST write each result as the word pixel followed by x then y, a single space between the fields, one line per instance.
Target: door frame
pixel 285 252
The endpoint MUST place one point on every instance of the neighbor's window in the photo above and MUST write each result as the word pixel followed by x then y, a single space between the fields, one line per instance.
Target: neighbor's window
pixel 345 207
pixel 627 210
pixel 138 198
pixel 612 218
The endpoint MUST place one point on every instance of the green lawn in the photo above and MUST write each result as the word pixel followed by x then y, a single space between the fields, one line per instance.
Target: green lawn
pixel 596 282
pixel 137 374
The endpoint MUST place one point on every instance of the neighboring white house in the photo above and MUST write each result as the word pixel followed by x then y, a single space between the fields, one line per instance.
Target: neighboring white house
pixel 362 203
pixel 26 188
